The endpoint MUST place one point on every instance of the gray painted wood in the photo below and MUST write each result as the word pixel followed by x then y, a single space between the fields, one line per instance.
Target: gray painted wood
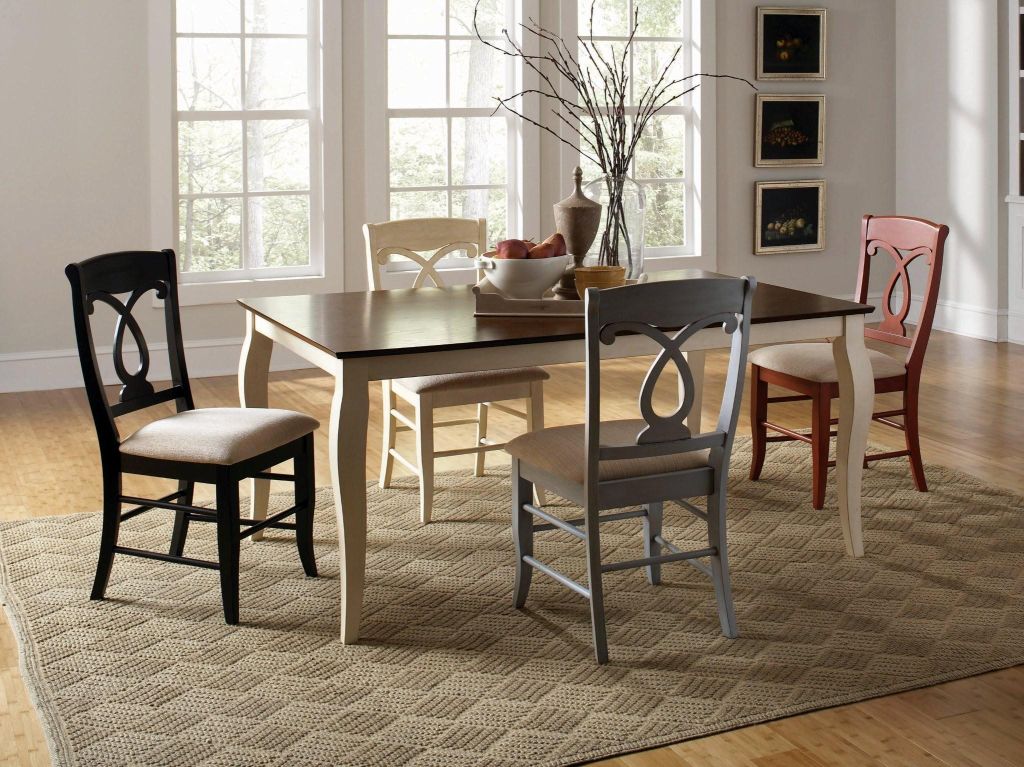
pixel 691 306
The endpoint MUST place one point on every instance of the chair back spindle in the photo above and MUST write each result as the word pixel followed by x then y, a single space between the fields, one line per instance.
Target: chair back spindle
pixel 687 307
pixel 904 240
pixel 120 280
pixel 410 238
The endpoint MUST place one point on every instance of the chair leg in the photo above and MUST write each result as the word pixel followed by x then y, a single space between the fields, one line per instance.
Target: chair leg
pixel 720 563
pixel 594 579
pixel 227 545
pixel 387 461
pixel 181 520
pixel 305 503
pixel 758 417
pixel 535 422
pixel 425 455
pixel 911 429
pixel 108 536
pixel 481 434
pixel 522 534
pixel 652 529
pixel 821 427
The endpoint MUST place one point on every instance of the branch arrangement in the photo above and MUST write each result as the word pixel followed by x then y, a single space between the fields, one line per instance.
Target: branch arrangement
pixel 595 111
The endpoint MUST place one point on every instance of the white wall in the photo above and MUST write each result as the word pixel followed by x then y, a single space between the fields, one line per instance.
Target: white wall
pixel 858 152
pixel 950 150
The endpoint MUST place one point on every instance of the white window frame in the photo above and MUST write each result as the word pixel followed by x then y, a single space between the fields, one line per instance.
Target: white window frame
pixel 326 270
pixel 698 108
pixel 523 145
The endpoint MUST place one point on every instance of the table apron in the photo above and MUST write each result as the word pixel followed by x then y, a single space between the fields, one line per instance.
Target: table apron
pixel 389 366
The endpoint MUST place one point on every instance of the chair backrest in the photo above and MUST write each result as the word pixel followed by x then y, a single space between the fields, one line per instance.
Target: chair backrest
pixel 411 237
pixel 120 280
pixel 670 313
pixel 904 240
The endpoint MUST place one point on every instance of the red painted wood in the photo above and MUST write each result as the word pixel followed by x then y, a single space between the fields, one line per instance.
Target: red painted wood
pixel 898 240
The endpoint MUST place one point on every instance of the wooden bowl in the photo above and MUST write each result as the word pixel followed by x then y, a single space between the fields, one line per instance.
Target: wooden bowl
pixel 599 277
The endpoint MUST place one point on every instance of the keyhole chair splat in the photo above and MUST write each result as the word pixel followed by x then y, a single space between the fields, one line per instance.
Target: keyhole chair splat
pixel 809 368
pixel 218 446
pixel 408 239
pixel 616 464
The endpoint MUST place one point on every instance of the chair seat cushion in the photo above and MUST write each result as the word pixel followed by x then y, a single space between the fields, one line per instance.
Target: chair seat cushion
pixel 560 450
pixel 478 380
pixel 814 362
pixel 218 435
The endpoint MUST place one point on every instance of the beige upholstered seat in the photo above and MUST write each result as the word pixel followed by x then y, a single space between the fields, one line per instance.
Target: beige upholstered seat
pixel 218 435
pixel 561 450
pixel 478 380
pixel 814 362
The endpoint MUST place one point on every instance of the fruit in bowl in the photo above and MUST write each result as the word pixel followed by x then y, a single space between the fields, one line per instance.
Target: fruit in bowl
pixel 524 269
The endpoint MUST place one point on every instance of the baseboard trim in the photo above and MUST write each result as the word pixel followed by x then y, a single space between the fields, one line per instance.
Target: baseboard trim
pixel 963 319
pixel 60 369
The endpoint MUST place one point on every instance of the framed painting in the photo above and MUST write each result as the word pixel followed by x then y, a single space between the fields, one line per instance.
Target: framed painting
pixel 790 217
pixel 791 43
pixel 790 131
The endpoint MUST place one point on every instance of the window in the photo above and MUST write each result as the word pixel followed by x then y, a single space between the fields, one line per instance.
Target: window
pixel 446 154
pixel 248 201
pixel 664 158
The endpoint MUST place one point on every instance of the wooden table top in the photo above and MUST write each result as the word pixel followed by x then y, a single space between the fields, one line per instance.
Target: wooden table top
pixel 384 322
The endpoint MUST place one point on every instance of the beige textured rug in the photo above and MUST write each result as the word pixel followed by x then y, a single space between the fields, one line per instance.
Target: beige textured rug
pixel 450 674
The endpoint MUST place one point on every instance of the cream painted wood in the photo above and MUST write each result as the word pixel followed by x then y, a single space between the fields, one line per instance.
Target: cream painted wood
pixel 481 437
pixel 408 239
pixel 350 413
pixel 425 454
pixel 254 366
pixel 390 432
pixel 856 401
pixel 348 469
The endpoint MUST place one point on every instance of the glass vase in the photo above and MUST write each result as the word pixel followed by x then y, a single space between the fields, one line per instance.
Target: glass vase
pixel 620 241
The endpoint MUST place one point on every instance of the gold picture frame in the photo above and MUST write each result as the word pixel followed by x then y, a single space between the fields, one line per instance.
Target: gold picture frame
pixel 797 48
pixel 782 120
pixel 789 216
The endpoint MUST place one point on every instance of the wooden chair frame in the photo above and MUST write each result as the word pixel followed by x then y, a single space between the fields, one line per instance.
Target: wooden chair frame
pixel 693 306
pixel 408 239
pixel 904 240
pixel 136 273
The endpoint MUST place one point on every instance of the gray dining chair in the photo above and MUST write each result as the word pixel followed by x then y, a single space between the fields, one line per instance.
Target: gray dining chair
pixel 644 462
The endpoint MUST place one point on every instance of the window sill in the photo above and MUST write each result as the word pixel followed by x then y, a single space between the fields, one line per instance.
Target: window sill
pixel 205 293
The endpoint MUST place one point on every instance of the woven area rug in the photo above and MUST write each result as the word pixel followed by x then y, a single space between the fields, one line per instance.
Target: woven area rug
pixel 449 674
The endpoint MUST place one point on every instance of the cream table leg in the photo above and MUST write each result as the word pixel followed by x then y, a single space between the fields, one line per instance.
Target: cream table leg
pixel 350 411
pixel 253 372
pixel 695 359
pixel 856 401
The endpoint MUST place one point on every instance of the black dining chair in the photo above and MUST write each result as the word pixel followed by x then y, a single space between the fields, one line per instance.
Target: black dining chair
pixel 218 446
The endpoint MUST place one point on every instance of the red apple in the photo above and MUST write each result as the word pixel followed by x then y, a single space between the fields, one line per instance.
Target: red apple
pixel 559 242
pixel 512 249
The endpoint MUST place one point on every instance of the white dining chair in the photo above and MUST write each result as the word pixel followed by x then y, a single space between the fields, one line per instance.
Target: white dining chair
pixel 644 462
pixel 425 242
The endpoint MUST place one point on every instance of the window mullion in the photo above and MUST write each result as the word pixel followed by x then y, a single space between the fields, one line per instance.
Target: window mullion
pixel 244 223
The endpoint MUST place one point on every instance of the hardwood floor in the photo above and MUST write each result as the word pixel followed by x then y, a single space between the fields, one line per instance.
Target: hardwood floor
pixel 972 405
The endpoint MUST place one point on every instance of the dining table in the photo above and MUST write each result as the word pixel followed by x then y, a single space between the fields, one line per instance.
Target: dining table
pixel 359 337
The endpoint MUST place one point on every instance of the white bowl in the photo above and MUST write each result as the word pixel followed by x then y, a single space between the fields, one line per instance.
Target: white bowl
pixel 523 277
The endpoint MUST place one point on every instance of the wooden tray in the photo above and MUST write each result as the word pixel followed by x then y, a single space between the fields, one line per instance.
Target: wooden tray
pixel 491 302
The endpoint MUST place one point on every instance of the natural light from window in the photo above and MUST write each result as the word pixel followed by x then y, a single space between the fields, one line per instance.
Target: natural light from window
pixel 247 138
pixel 447 156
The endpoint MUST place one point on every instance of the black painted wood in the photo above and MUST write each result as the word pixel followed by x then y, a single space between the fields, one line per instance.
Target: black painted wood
pixel 375 323
pixel 107 279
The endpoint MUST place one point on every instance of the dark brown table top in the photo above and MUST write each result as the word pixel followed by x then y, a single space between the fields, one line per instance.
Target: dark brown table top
pixel 384 322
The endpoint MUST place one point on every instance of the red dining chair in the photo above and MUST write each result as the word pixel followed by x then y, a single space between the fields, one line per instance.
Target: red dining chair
pixel 809 368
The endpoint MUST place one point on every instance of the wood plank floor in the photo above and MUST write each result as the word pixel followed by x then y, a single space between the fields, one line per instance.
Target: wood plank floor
pixel 972 411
